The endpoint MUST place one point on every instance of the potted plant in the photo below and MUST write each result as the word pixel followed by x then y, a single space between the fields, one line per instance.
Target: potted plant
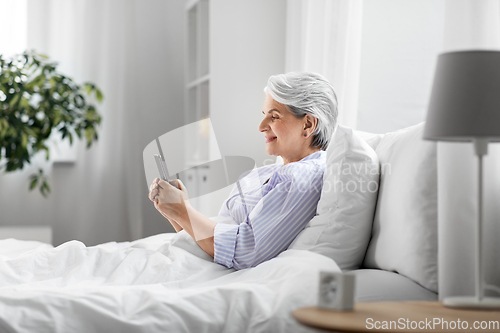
pixel 35 101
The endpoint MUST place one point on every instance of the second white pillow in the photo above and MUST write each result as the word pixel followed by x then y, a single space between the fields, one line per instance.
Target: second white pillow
pixel 405 225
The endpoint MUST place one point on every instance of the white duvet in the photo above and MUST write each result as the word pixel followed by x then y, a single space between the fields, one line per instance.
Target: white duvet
pixel 164 283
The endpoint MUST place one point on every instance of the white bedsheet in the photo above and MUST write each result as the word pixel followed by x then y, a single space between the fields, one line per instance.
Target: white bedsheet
pixel 164 283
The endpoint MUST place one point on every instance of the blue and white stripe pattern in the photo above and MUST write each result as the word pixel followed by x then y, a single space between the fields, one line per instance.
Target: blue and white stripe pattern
pixel 270 215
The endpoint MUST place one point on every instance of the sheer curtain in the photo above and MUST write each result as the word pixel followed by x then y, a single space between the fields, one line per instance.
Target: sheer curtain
pixel 93 41
pixel 127 48
pixel 324 36
pixel 13 27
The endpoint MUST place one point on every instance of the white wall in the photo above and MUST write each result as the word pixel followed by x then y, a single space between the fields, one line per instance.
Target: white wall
pixel 161 42
pixel 399 48
pixel 247 46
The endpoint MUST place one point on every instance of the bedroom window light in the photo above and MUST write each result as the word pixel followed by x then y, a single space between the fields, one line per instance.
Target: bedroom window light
pixel 13 27
pixel 13 34
pixel 14 40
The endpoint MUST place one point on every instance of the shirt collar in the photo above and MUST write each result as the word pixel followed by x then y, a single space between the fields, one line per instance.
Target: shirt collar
pixel 316 155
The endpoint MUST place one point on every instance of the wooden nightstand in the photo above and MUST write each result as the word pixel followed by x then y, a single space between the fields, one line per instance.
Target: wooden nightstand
pixel 400 317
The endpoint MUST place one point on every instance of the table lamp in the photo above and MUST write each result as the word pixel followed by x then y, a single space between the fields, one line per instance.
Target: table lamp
pixel 465 106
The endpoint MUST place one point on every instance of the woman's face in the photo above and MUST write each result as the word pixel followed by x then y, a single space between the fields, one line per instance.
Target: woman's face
pixel 284 133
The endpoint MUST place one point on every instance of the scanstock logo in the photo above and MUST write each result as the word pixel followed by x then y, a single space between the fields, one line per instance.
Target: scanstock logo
pixel 191 153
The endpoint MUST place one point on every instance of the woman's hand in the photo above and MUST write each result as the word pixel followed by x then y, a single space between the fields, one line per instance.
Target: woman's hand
pixel 170 199
pixel 153 189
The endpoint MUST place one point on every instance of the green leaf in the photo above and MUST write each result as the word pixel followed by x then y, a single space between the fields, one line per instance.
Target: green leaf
pixel 98 95
pixel 53 81
pixel 45 189
pixel 57 117
pixel 87 88
pixel 14 100
pixel 24 103
pixel 24 139
pixel 33 183
pixel 38 81
pixel 89 134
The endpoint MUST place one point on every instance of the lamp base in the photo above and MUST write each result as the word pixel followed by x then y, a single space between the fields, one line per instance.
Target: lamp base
pixel 471 302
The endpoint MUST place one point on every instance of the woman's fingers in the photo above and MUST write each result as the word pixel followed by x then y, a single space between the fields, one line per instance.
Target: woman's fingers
pixel 183 189
pixel 175 183
pixel 172 191
pixel 155 182
pixel 153 194
pixel 169 193
pixel 163 184
pixel 181 185
pixel 153 189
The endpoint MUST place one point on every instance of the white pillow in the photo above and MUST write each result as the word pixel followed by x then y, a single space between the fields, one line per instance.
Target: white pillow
pixel 372 139
pixel 342 227
pixel 404 236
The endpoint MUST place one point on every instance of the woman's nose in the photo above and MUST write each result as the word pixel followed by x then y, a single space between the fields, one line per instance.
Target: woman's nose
pixel 263 125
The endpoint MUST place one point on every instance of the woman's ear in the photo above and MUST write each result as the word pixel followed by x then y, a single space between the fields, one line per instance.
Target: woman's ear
pixel 310 123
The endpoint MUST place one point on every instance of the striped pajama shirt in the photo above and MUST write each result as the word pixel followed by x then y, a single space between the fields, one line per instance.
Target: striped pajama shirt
pixel 270 205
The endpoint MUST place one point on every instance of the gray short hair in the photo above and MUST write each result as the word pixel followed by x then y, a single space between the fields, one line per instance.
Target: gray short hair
pixel 307 93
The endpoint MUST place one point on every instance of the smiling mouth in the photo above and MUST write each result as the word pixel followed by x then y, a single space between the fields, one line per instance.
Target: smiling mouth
pixel 270 139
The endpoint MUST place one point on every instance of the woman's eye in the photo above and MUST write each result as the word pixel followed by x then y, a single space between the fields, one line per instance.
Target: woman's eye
pixel 274 117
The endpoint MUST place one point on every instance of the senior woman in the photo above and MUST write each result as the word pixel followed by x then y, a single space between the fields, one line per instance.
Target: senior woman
pixel 274 203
